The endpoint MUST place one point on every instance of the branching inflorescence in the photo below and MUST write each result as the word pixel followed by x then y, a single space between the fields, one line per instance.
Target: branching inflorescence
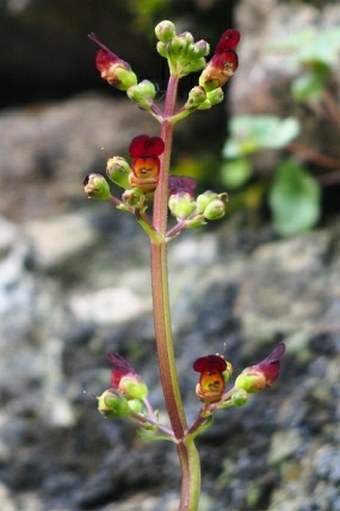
pixel 149 193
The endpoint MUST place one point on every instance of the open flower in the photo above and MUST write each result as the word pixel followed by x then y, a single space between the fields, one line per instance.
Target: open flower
pixel 261 375
pixel 210 387
pixel 112 68
pixel 223 64
pixel 145 152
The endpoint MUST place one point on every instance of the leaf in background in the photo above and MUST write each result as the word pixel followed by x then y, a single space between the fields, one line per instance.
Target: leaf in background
pixel 294 199
pixel 250 133
pixel 236 173
pixel 307 87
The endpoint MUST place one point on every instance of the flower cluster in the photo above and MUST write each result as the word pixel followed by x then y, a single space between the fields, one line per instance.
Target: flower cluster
pixel 216 371
pixel 128 391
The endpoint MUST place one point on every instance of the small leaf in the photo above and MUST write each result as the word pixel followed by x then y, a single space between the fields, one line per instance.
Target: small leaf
pixel 294 199
pixel 236 173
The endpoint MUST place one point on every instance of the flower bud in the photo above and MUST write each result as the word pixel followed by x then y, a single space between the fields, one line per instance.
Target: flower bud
pixel 161 49
pixel 112 405
pixel 181 205
pixel 112 68
pixel 134 197
pixel 201 48
pixel 215 96
pixel 204 199
pixel 196 97
pixel 239 397
pixel 135 405
pixel 261 375
pixel 118 170
pixel 165 31
pixel 215 210
pixel 133 387
pixel 142 94
pixel 96 187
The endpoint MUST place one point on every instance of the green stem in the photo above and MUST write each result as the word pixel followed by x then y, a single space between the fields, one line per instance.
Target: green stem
pixel 187 452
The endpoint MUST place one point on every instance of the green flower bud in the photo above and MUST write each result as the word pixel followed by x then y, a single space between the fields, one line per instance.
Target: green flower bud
pixel 215 96
pixel 142 94
pixel 165 31
pixel 181 205
pixel 201 48
pixel 135 405
pixel 133 387
pixel 204 199
pixel 112 405
pixel 161 49
pixel 127 78
pixel 239 397
pixel 118 170
pixel 215 209
pixel 188 38
pixel 196 97
pixel 134 197
pixel 176 45
pixel 96 187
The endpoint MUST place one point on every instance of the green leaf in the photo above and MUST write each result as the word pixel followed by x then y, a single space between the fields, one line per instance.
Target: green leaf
pixel 250 133
pixel 294 199
pixel 236 173
pixel 307 87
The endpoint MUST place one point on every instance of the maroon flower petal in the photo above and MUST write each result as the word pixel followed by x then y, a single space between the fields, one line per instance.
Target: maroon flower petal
pixel 225 60
pixel 104 57
pixel 229 40
pixel 143 146
pixel 210 364
pixel 270 366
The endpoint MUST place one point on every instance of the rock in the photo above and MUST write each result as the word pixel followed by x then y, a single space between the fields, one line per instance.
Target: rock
pixel 59 144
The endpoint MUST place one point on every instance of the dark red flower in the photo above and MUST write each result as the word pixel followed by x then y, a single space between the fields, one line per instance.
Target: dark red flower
pixel 145 152
pixel 270 366
pixel 263 374
pixel 210 387
pixel 223 63
pixel 112 68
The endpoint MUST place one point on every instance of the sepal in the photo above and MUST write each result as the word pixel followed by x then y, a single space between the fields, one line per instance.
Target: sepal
pixel 181 205
pixel 96 187
pixel 113 405
pixel 118 171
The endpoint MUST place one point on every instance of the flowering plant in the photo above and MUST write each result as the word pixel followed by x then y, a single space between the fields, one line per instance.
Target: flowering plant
pixel 147 186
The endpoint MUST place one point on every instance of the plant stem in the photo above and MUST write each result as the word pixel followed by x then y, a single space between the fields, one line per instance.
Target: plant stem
pixel 187 452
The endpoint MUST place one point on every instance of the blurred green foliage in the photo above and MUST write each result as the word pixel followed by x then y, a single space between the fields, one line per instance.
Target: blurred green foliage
pixel 294 195
pixel 146 13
